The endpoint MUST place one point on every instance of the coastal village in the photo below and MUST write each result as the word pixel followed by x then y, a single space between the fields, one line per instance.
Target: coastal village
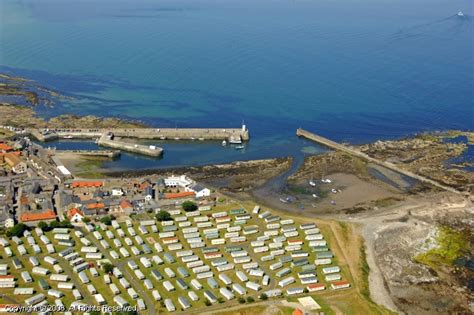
pixel 149 245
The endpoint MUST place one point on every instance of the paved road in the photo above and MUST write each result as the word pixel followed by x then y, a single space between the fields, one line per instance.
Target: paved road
pixel 125 271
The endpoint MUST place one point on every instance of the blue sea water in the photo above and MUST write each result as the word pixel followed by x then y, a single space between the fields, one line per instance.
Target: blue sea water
pixel 353 71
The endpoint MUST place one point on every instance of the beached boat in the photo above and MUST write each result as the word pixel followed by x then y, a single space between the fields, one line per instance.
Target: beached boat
pixel 312 183
pixel 67 137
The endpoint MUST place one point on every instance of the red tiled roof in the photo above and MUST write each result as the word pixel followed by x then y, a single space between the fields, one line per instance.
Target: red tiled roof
pixel 179 195
pixel 74 211
pixel 86 184
pixel 297 311
pixel 97 205
pixel 47 215
pixel 5 147
pixel 338 283
pixel 125 204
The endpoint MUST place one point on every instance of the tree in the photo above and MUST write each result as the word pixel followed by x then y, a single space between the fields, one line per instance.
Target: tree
pixel 207 303
pixel 53 224
pixel 108 268
pixel 305 290
pixel 86 220
pixel 107 220
pixel 163 216
pixel 220 300
pixel 189 206
pixel 241 300
pixel 43 225
pixel 17 230
pixel 264 297
pixel 250 299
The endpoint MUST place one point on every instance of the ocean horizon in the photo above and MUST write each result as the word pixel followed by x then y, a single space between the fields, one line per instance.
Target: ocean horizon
pixel 352 71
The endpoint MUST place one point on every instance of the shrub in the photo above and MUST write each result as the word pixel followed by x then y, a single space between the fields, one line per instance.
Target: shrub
pixel 250 299
pixel 264 297
pixel 241 300
pixel 189 206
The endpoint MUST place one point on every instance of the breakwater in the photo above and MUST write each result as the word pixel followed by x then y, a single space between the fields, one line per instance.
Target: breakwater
pixel 94 153
pixel 108 140
pixel 337 146
pixel 227 134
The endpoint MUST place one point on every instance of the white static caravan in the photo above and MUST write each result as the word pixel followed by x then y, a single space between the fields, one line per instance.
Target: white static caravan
pixel 287 281
pixel 120 301
pixel 117 273
pixel 239 289
pixel 242 277
pixel 168 286
pixel 55 293
pixel 25 275
pixel 104 244
pixel 169 305
pixel 132 293
pixel 97 235
pixel 193 296
pixel 148 284
pixel 23 291
pixel 114 254
pixel 253 286
pixel 85 242
pixel 226 293
pixel 66 285
pixel 124 252
pixel 225 279
pixel 139 274
pixel 94 256
pixel 156 295
pixel 83 277
pixel 117 243
pixel 124 283
pixel 115 290
pixel 99 299
pixel 145 262
pixel 59 278
pixel 50 249
pixel 40 271
pixel 196 284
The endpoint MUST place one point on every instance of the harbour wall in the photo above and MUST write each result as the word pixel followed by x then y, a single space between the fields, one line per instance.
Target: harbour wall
pixel 145 133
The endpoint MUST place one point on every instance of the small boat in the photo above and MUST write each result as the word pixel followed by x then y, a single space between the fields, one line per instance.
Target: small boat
pixel 334 191
pixel 224 143
pixel 234 140
pixel 163 138
pixel 239 147
pixel 460 13
pixel 67 137
pixel 283 200
pixel 312 183
pixel 315 196
pixel 201 139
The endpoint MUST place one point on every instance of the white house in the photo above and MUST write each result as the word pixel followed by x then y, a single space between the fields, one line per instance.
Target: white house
pixel 178 181
pixel 117 192
pixel 199 190
pixel 75 215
